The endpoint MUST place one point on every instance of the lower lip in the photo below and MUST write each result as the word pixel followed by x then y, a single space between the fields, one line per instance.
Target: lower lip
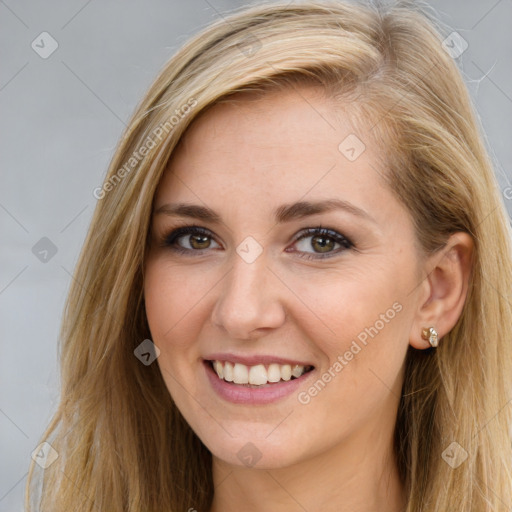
pixel 240 394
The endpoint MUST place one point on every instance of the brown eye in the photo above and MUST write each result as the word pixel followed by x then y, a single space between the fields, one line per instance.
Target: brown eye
pixel 189 239
pixel 199 241
pixel 324 242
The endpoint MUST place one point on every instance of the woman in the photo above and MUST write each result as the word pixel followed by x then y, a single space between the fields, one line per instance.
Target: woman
pixel 294 291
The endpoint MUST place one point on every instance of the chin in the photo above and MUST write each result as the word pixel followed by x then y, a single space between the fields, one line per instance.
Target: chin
pixel 257 454
pixel 255 446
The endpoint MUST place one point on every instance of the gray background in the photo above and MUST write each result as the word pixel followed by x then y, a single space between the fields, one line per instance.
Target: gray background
pixel 61 119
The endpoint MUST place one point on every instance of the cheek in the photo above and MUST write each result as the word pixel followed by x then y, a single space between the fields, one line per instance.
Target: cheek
pixel 172 299
pixel 361 325
pixel 173 306
pixel 356 306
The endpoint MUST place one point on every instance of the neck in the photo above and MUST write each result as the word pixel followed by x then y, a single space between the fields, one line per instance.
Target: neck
pixel 352 476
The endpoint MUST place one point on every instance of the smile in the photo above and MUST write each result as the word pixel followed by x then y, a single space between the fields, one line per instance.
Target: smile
pixel 257 375
pixel 256 384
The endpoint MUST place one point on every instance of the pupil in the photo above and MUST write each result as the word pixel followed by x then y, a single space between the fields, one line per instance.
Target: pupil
pixel 199 240
pixel 324 243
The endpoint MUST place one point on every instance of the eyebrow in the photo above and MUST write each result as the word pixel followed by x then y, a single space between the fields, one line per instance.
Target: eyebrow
pixel 282 214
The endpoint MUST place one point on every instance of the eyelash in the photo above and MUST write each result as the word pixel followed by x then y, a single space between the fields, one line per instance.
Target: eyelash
pixel 169 240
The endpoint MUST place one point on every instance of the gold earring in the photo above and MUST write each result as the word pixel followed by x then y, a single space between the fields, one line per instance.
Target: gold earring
pixel 431 336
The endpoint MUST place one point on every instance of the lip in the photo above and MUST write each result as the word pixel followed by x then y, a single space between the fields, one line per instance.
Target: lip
pixel 253 360
pixel 241 394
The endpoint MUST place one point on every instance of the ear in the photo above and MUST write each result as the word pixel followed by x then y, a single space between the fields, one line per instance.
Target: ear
pixel 443 292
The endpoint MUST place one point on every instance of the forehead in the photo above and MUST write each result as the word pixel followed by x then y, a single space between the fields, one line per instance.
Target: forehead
pixel 285 123
pixel 271 148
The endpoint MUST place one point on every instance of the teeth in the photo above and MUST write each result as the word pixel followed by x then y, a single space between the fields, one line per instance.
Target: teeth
pixel 257 375
pixel 286 372
pixel 297 371
pixel 241 374
pixel 228 371
pixel 217 366
pixel 273 373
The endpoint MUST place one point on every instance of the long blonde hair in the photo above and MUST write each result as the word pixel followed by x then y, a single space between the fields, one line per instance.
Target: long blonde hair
pixel 122 445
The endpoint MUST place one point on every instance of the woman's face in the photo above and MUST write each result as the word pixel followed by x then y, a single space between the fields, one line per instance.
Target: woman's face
pixel 304 266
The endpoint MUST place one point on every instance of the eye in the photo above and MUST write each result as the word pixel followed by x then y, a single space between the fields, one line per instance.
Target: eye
pixel 324 242
pixel 189 238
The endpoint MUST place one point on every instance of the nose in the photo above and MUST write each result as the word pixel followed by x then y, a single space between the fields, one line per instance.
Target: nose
pixel 249 302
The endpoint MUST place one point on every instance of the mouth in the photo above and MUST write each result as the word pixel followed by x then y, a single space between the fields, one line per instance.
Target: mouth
pixel 259 375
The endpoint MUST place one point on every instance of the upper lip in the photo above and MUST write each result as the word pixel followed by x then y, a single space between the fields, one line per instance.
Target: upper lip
pixel 253 360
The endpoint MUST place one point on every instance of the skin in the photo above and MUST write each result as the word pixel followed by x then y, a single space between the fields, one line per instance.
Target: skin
pixel 243 160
